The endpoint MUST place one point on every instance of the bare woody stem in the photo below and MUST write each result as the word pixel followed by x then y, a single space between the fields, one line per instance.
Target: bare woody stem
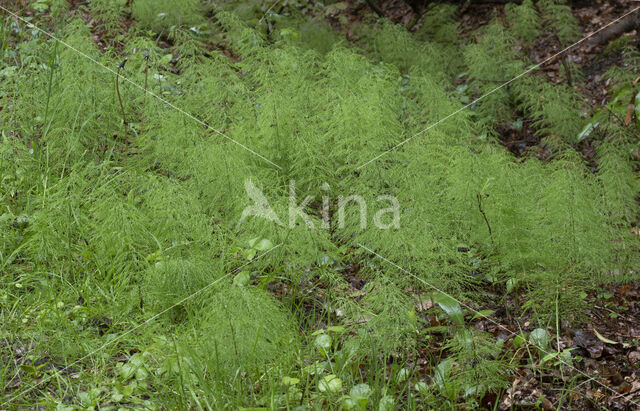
pixel 124 117
pixel 146 76
pixel 486 220
pixel 375 8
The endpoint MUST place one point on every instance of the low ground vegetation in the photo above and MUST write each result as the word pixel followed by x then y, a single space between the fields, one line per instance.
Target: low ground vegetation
pixel 127 279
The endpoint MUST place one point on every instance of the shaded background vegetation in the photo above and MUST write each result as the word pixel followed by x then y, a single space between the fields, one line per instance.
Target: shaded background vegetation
pixel 117 208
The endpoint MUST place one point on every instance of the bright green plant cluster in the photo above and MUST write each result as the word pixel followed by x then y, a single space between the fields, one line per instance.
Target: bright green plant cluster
pixel 161 15
pixel 125 207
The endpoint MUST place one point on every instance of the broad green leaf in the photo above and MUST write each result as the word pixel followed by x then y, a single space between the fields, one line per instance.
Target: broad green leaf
pixel 442 373
pixel 549 357
pixel 242 278
pixel 462 88
pixel 387 403
pixel 249 254
pixel 473 389
pixel 323 343
pixel 519 340
pixel 264 245
pixel 338 329
pixel 141 373
pixel 587 130
pixel 451 307
pixel 127 371
pixel 402 375
pixel 330 383
pixel 360 395
pixel 421 387
pixel 360 391
pixel 84 397
pixel 565 357
pixel 539 338
pixel 316 368
pixel 348 403
pixel 290 380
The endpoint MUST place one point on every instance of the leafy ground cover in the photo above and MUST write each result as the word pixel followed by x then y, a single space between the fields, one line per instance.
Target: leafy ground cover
pixel 136 134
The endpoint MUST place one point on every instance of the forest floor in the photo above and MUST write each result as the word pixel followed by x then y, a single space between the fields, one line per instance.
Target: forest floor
pixel 609 339
pixel 605 346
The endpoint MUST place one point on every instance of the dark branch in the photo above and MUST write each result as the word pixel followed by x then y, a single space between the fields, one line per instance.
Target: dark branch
pixel 486 220
pixel 623 26
pixel 375 8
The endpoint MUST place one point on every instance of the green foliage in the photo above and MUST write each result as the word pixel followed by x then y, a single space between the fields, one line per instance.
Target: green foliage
pixel 317 35
pixel 389 41
pixel 556 14
pixel 244 329
pixel 439 23
pixel 556 108
pixel 392 320
pixel 108 12
pixel 473 369
pixel 617 178
pixel 523 20
pixel 134 225
pixel 160 15
pixel 626 73
pixel 492 63
pixel 170 281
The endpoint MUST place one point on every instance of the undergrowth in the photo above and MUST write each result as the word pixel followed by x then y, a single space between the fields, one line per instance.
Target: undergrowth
pixel 127 218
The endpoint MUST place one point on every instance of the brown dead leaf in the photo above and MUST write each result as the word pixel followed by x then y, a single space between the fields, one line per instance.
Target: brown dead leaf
pixel 424 303
pixel 635 387
pixel 507 403
pixel 627 119
pixel 516 381
pixel 547 405
pixel 587 341
pixel 624 388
